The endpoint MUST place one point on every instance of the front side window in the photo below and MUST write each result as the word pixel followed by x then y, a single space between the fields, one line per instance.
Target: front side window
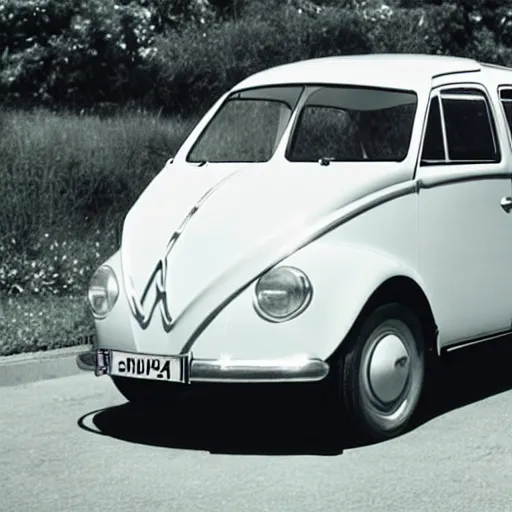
pixel 354 124
pixel 469 130
pixel 460 129
pixel 247 127
pixel 433 145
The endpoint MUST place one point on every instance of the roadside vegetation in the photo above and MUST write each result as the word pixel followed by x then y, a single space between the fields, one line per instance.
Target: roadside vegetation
pixel 67 181
pixel 96 95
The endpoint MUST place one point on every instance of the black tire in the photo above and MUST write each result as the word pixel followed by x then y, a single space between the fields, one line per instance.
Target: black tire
pixel 381 399
pixel 147 393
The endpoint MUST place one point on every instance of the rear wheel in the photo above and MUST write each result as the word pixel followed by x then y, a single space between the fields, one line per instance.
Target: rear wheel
pixel 381 372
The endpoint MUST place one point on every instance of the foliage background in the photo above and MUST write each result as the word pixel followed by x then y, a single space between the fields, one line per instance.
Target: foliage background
pixel 96 95
pixel 179 55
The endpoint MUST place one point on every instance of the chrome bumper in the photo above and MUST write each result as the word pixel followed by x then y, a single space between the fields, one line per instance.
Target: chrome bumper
pixel 242 371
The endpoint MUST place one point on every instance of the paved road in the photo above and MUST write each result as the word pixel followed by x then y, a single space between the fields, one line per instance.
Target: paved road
pixel 72 444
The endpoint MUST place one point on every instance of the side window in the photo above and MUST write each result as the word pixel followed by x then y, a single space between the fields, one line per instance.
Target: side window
pixel 506 101
pixel 468 124
pixel 433 145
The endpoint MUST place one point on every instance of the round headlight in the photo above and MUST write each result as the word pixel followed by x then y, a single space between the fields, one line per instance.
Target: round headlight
pixel 282 294
pixel 103 291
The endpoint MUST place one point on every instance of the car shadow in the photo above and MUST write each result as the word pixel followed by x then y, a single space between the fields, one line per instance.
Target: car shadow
pixel 274 419
pixel 467 376
pixel 292 419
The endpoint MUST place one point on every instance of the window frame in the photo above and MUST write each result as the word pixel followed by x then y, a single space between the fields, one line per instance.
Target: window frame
pixel 233 97
pixel 444 92
pixel 293 136
pixel 425 163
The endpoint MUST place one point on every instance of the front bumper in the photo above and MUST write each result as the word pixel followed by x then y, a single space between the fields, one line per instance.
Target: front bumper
pixel 242 371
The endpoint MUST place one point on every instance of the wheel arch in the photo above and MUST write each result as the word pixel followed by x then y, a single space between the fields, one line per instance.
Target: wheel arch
pixel 404 290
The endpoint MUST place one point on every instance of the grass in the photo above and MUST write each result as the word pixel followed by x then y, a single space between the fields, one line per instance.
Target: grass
pixel 29 324
pixel 67 181
pixel 80 168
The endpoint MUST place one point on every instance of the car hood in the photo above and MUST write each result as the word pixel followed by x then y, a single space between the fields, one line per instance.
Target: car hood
pixel 246 207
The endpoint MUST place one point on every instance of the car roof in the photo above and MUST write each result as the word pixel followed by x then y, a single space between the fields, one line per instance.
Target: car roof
pixel 398 71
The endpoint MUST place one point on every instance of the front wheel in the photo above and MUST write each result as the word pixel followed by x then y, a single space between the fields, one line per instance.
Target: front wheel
pixel 382 371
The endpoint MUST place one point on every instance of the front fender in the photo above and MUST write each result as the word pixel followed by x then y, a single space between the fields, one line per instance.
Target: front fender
pixel 343 277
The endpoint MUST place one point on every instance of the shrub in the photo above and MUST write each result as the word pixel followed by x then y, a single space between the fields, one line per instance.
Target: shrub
pixel 55 263
pixel 68 51
pixel 479 29
pixel 29 324
pixel 400 30
pixel 58 168
pixel 194 68
pixel 181 55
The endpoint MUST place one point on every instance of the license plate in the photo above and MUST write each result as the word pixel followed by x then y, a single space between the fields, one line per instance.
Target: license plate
pixel 143 366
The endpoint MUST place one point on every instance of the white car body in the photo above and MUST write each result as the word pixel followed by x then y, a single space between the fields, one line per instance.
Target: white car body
pixel 353 228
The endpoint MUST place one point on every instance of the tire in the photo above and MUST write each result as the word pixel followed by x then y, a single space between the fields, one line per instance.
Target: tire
pixel 147 393
pixel 382 372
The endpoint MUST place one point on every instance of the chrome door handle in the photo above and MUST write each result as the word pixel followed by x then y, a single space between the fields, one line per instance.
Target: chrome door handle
pixel 506 203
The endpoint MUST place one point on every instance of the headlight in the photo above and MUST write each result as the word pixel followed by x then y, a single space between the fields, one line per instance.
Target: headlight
pixel 282 294
pixel 103 291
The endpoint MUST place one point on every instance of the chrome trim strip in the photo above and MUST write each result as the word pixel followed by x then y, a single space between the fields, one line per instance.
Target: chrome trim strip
pixel 452 178
pixel 333 220
pixel 461 97
pixel 476 341
pixel 292 369
pixel 246 371
pixel 160 272
pixel 438 94
pixel 461 72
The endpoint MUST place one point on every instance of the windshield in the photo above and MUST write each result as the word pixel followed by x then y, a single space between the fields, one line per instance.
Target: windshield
pixel 248 127
pixel 354 124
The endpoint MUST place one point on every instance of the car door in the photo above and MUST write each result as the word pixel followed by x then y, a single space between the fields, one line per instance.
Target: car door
pixel 465 233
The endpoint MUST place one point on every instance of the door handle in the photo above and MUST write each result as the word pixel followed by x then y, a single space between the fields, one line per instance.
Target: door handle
pixel 506 203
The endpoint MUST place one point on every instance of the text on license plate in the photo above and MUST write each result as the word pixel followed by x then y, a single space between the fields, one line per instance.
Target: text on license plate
pixel 147 367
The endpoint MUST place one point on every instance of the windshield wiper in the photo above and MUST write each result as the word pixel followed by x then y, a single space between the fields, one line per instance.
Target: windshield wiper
pixel 200 163
pixel 326 160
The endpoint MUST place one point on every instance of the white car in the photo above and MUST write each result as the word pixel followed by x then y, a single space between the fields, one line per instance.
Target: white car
pixel 344 219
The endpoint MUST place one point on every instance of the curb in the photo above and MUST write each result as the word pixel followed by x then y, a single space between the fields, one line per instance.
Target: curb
pixel 43 365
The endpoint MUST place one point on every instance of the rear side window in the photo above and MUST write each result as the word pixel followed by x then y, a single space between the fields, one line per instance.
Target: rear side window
pixel 460 129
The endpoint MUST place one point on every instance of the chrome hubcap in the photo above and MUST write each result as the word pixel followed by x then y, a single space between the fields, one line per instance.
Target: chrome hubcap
pixel 391 374
pixel 388 369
